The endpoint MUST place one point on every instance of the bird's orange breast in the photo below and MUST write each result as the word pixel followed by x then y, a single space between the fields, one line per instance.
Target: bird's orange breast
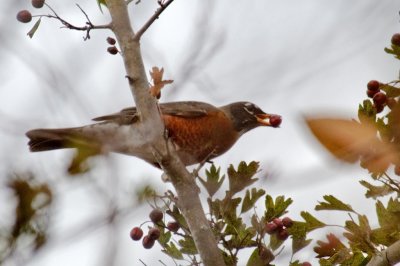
pixel 201 138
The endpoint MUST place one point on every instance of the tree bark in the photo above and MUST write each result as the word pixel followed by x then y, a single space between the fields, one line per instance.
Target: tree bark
pixel 390 256
pixel 153 132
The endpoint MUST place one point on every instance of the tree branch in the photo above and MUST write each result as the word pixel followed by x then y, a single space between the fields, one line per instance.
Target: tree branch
pixel 389 256
pixel 152 127
pixel 163 5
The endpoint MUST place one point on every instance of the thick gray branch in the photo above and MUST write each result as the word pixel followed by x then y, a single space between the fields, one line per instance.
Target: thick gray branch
pixel 152 128
pixel 390 256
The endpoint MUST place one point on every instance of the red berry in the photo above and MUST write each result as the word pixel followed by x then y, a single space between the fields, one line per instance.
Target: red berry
pixel 173 226
pixel 156 215
pixel 147 242
pixel 271 228
pixel 379 98
pixel 306 264
pixel 112 50
pixel 373 85
pixel 371 93
pixel 24 16
pixel 278 222
pixel 378 108
pixel 282 234
pixel 136 233
pixel 154 233
pixel 111 40
pixel 396 39
pixel 287 222
pixel 275 120
pixel 37 3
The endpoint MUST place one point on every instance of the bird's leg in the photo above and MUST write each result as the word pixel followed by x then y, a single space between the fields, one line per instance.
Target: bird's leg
pixel 195 171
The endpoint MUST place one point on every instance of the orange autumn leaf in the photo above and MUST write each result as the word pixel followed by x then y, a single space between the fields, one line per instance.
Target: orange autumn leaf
pixel 349 141
pixel 158 82
pixel 330 248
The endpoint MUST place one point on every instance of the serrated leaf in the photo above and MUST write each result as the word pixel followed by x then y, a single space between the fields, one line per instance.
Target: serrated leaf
pixel 299 243
pixel 172 251
pixel 376 191
pixel 214 181
pixel 274 242
pixel 251 198
pixel 188 246
pixel 277 208
pixel 329 248
pixel 242 177
pixel 311 221
pixel 359 235
pixel 34 28
pixel 260 257
pixel 333 203
pixel 165 237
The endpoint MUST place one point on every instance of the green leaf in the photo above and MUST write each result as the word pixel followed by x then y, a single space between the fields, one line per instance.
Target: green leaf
pixel 359 235
pixel 178 217
pixel 299 244
pixel 101 2
pixel 213 181
pixel 260 257
pixel 376 191
pixel 366 112
pixel 172 251
pixel 165 237
pixel 333 203
pixel 277 208
pixel 312 222
pixel 188 246
pixel 242 177
pixel 34 28
pixel 251 198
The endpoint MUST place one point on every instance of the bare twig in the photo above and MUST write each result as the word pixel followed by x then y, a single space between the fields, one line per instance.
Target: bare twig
pixel 88 27
pixel 162 6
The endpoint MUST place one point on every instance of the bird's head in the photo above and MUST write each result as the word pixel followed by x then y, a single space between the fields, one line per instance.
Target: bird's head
pixel 246 116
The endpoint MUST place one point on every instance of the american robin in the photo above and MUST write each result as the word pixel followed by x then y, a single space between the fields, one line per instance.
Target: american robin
pixel 199 131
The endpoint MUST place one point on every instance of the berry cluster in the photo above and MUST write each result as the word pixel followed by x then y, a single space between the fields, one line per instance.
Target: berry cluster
pixel 112 49
pixel 154 233
pixel 379 97
pixel 279 227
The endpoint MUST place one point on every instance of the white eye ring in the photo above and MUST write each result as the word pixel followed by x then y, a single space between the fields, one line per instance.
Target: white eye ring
pixel 247 110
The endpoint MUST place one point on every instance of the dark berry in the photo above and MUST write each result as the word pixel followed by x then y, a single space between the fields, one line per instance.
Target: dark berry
pixel 173 226
pixel 147 242
pixel 154 233
pixel 24 16
pixel 283 234
pixel 373 85
pixel 275 120
pixel 37 3
pixel 379 98
pixel 112 50
pixel 111 40
pixel 278 222
pixel 156 215
pixel 136 233
pixel 271 228
pixel 287 222
pixel 371 93
pixel 378 108
pixel 306 264
pixel 396 39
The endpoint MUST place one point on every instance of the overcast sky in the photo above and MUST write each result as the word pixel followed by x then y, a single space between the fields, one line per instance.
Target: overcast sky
pixel 293 58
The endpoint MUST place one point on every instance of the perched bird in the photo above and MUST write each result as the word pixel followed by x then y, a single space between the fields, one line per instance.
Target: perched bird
pixel 199 131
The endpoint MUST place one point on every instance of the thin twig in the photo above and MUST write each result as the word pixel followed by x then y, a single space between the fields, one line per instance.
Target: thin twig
pixel 163 5
pixel 89 25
